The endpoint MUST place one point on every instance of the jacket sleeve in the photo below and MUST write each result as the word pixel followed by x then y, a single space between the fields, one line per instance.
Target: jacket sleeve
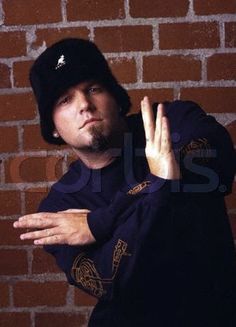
pixel 103 270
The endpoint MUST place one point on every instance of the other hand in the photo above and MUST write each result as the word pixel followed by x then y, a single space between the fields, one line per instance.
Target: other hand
pixel 159 152
pixel 63 227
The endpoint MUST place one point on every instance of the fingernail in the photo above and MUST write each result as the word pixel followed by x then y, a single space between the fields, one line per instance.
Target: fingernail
pixel 22 237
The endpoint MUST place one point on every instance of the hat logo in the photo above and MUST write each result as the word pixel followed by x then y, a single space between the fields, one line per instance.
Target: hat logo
pixel 61 62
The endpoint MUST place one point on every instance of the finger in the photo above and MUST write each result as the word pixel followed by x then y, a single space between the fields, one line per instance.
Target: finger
pixel 148 119
pixel 158 130
pixel 166 146
pixel 55 239
pixel 41 215
pixel 34 223
pixel 39 234
pixel 75 210
pixel 40 220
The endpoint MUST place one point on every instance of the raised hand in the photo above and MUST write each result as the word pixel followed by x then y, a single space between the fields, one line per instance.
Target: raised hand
pixel 159 152
pixel 63 227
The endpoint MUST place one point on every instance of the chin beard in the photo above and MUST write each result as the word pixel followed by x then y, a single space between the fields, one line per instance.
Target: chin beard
pixel 99 142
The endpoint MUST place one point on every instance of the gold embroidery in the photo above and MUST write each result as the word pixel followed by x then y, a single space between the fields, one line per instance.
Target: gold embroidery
pixel 119 252
pixel 138 188
pixel 84 272
pixel 199 146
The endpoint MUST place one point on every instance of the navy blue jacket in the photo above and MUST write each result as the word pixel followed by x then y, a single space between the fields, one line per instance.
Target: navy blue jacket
pixel 164 254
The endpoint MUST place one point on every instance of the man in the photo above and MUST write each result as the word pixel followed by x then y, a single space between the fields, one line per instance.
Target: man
pixel 139 219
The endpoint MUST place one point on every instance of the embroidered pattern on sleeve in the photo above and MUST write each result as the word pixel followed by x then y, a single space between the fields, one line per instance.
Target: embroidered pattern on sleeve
pixel 138 188
pixel 85 273
pixel 119 252
pixel 200 146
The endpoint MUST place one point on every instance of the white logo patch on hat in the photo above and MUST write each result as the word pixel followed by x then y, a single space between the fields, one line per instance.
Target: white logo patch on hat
pixel 61 62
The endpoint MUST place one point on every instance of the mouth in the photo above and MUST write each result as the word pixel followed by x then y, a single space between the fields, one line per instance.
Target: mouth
pixel 89 121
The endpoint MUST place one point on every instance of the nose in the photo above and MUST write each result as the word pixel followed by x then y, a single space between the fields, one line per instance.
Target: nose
pixel 83 102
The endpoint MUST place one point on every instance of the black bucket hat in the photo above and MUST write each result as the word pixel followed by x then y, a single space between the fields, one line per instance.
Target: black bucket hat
pixel 63 65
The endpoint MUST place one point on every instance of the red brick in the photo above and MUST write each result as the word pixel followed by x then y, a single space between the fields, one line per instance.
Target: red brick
pixel 43 263
pixel 230 35
pixel 10 235
pixel 10 203
pixel 83 299
pixel 232 219
pixel 30 294
pixel 171 8
pixel 13 262
pixel 17 106
pixel 21 73
pixel 24 12
pixel 52 35
pixel 60 319
pixel 4 76
pixel 4 298
pixel 124 69
pixel 214 7
pixel 33 169
pixel 232 130
pixel 14 44
pixel 189 35
pixel 171 68
pixel 221 66
pixel 33 197
pixel 124 38
pixel 33 140
pixel 212 99
pixel 95 10
pixel 11 319
pixel 155 95
pixel 10 137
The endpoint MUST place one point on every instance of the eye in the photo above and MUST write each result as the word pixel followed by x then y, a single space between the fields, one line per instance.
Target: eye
pixel 64 100
pixel 95 89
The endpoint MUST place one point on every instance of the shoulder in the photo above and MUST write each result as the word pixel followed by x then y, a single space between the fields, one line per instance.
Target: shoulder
pixel 179 107
pixel 179 113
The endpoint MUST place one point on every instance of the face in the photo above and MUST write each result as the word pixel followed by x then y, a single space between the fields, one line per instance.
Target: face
pixel 87 117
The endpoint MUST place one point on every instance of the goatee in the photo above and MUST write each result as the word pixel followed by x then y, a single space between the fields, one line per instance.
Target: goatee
pixel 99 143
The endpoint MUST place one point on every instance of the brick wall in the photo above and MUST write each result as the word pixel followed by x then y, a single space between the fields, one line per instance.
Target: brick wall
pixel 172 49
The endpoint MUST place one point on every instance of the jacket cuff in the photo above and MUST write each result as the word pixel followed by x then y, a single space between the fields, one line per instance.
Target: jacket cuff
pixel 97 222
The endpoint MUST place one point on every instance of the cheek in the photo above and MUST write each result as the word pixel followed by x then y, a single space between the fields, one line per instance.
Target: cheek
pixel 57 117
pixel 111 109
pixel 62 119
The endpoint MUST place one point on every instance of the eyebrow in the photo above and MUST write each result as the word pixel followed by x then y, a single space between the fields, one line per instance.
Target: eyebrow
pixel 88 84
